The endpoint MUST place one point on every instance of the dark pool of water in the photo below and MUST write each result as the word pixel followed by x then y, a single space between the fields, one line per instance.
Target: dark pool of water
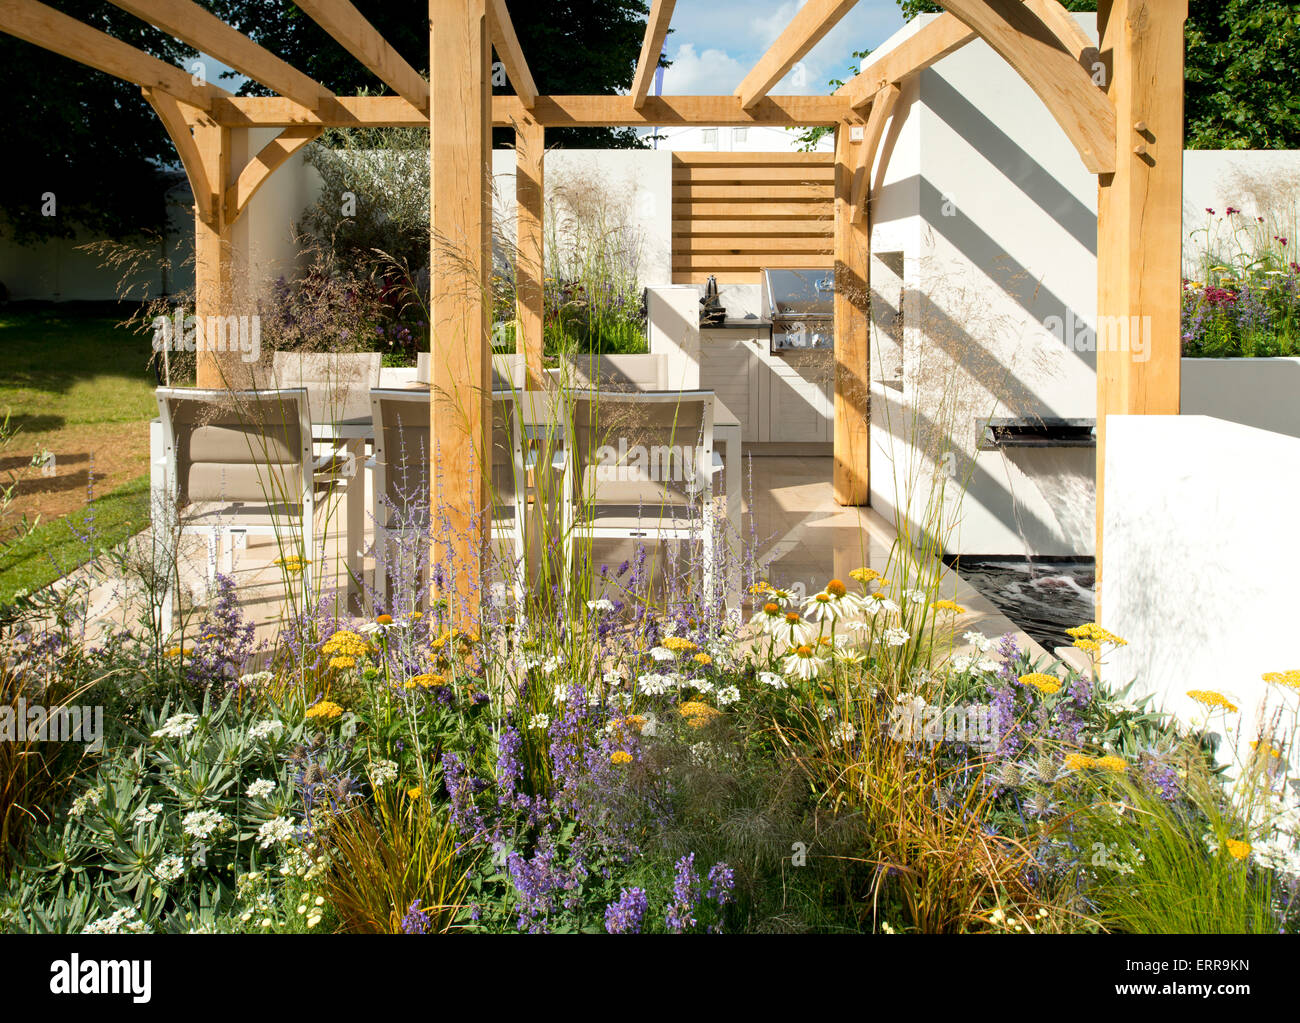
pixel 1043 597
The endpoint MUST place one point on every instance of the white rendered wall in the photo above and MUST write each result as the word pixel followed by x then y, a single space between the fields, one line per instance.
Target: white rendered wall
pixel 638 180
pixel 1200 559
pixel 993 216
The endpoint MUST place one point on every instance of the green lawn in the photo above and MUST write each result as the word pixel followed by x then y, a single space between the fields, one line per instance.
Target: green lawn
pixel 57 546
pixel 78 384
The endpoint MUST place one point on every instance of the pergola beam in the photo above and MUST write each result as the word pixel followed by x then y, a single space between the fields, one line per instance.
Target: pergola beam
pixel 204 31
pixel 502 30
pixel 927 46
pixel 263 165
pixel 656 31
pixel 806 29
pixel 1069 33
pixel 881 107
pixel 354 33
pixel 1021 38
pixel 53 30
pixel 548 111
pixel 207 203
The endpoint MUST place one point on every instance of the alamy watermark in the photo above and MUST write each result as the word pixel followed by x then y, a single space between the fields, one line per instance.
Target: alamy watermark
pixel 21 722
pixel 1130 334
pixel 917 721
pixel 182 332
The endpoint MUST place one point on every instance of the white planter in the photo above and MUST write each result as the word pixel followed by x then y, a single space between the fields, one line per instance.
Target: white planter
pixel 1263 393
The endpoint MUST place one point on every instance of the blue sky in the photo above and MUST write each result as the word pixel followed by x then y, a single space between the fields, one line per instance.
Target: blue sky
pixel 714 43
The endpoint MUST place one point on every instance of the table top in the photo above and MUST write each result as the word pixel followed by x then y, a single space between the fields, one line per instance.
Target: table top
pixel 536 408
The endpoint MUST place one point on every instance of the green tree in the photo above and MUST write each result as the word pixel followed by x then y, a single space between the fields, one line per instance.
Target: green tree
pixel 92 141
pixel 89 139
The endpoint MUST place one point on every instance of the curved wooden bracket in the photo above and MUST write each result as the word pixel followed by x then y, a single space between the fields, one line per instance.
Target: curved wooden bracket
pixel 881 107
pixel 1020 36
pixel 263 165
pixel 202 177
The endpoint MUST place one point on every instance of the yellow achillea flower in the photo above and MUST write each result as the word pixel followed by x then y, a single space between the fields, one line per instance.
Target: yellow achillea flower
pixel 423 681
pixel 680 644
pixel 864 575
pixel 1078 762
pixel 636 721
pixel 620 757
pixel 181 652
pixel 343 662
pixel 1094 632
pixel 1047 684
pixel 1265 748
pixel 1111 763
pixel 758 589
pixel 948 605
pixel 414 793
pixel 703 658
pixel 345 644
pixel 1090 645
pixel 1238 849
pixel 1290 679
pixel 1211 699
pixel 697 714
pixel 326 710
pixel 293 563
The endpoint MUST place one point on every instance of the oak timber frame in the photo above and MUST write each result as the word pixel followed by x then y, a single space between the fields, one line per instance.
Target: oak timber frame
pixel 1120 105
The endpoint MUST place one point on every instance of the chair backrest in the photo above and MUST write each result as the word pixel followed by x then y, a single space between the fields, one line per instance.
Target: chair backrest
pixel 646 449
pixel 238 447
pixel 642 372
pixel 509 371
pixel 402 448
pixel 338 383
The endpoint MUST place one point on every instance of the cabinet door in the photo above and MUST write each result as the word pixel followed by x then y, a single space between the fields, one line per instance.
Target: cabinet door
pixel 800 399
pixel 730 368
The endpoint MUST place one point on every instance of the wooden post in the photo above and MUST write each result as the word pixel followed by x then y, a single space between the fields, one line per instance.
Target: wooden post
pixel 1139 220
pixel 530 265
pixel 851 482
pixel 460 139
pixel 212 252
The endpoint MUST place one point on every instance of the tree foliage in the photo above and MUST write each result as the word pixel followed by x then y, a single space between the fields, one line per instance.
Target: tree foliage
pixel 94 142
pixel 89 139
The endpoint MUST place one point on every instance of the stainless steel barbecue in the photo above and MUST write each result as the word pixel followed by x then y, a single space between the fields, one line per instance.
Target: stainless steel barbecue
pixel 802 307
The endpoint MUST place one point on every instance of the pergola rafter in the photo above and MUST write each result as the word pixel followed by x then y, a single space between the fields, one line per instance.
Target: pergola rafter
pixel 206 32
pixel 354 33
pixel 53 30
pixel 652 48
pixel 1128 131
pixel 809 25
pixel 505 41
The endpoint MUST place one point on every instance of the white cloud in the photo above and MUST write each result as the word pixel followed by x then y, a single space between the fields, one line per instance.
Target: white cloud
pixel 713 72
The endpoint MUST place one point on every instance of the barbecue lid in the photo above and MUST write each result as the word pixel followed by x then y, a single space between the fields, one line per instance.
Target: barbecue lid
pixel 800 293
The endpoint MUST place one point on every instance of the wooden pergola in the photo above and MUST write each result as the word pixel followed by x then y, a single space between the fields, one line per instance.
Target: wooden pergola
pixel 1120 105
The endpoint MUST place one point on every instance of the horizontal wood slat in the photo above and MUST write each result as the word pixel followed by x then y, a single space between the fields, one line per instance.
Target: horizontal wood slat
pixel 754 175
pixel 792 226
pixel 714 263
pixel 734 214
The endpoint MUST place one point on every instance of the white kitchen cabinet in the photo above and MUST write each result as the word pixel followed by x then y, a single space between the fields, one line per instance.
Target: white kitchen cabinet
pixel 785 398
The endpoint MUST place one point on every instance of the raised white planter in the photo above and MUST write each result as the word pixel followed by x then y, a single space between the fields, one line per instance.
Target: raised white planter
pixel 1200 561
pixel 1263 393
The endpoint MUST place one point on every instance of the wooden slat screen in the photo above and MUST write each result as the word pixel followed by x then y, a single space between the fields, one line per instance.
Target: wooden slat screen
pixel 736 213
